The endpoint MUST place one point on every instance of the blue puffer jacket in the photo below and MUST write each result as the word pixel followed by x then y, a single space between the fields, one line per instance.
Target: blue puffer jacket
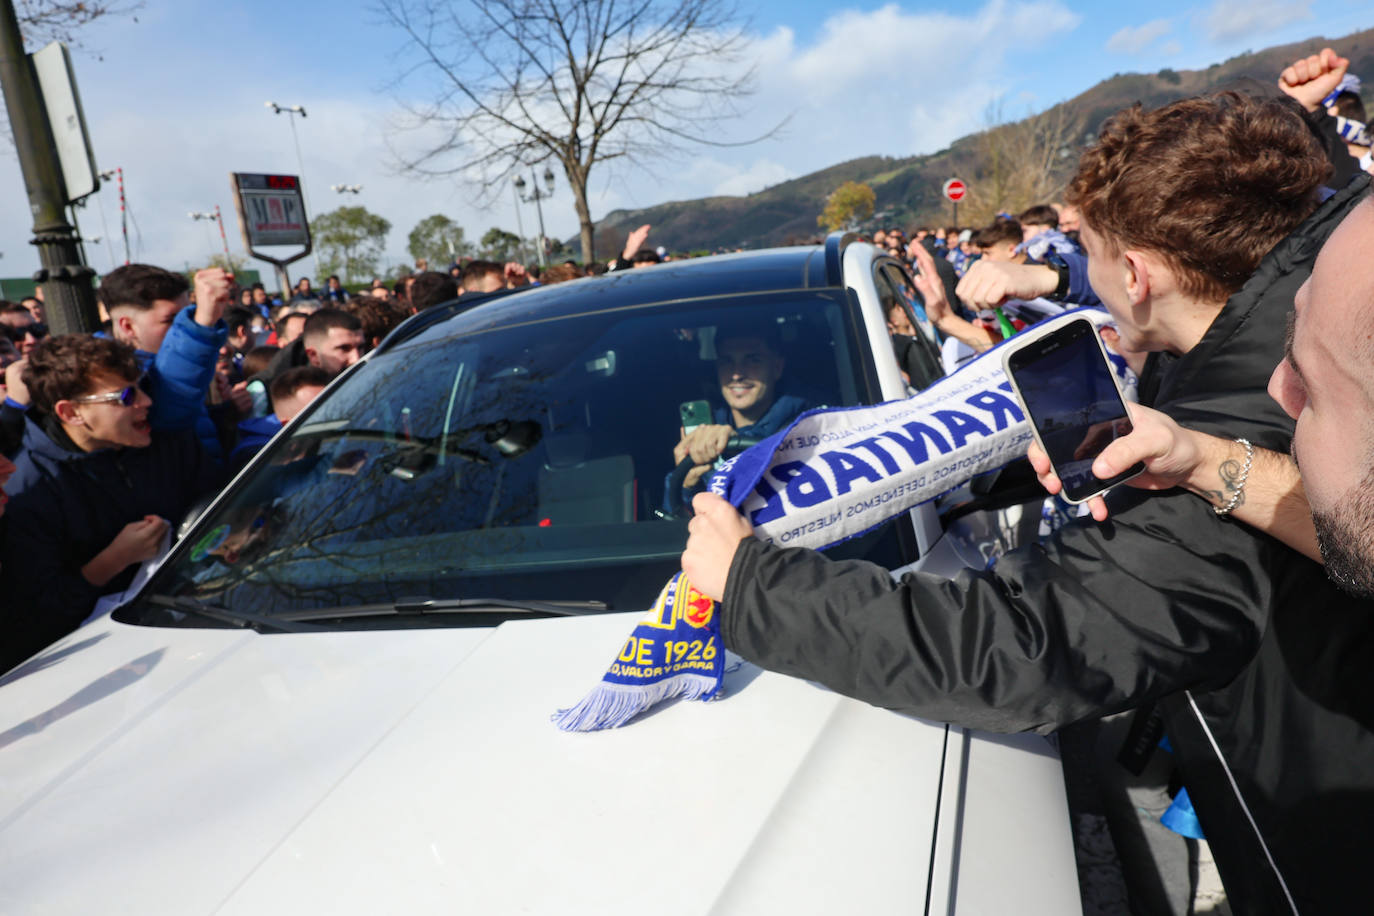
pixel 254 433
pixel 65 506
pixel 180 373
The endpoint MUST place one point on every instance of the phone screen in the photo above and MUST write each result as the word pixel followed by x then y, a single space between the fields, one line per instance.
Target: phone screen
pixel 1074 404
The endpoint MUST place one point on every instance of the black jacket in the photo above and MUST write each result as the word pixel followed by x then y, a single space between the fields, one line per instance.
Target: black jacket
pixel 287 358
pixel 65 507
pixel 1163 598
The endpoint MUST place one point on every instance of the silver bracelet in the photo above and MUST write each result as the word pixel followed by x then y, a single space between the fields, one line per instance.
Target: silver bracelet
pixel 1239 493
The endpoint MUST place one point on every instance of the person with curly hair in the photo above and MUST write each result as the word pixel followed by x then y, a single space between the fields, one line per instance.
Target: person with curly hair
pixel 1201 219
pixel 95 492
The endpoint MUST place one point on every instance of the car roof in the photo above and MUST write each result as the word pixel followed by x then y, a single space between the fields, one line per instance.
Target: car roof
pixel 742 273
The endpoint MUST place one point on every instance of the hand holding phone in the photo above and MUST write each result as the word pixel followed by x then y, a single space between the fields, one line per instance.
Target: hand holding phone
pixel 1073 401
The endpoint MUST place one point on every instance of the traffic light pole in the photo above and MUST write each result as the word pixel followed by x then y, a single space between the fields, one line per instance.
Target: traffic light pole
pixel 68 296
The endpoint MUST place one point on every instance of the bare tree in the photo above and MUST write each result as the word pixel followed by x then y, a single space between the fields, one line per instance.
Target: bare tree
pixel 60 20
pixel 581 82
pixel 1023 163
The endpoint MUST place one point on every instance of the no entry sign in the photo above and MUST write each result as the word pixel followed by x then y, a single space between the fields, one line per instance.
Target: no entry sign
pixel 955 190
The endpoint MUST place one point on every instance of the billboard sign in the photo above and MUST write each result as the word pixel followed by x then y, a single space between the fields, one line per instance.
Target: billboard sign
pixel 53 67
pixel 271 210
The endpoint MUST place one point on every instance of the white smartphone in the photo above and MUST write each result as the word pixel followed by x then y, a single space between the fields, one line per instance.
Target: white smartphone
pixel 1075 406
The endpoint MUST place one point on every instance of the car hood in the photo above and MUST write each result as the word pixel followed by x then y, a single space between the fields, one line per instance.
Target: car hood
pixel 204 770
pixel 223 771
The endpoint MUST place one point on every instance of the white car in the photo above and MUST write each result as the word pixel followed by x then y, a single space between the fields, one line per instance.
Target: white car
pixel 335 694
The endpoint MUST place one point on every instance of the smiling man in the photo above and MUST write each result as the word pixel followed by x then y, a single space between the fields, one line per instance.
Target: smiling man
pixel 94 491
pixel 749 367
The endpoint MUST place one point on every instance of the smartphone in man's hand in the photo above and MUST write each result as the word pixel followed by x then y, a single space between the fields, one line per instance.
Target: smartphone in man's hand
pixel 1075 406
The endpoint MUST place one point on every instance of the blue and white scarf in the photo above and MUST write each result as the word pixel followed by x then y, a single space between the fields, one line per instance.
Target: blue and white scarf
pixel 829 476
pixel 1042 243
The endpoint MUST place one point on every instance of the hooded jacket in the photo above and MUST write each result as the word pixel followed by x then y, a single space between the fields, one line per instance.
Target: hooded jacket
pixel 288 357
pixel 1265 664
pixel 180 373
pixel 254 433
pixel 65 506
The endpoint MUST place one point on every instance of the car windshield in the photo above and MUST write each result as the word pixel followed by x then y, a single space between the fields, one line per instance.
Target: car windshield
pixel 526 463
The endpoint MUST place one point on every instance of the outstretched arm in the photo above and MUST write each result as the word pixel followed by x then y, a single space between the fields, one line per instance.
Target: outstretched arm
pixel 1271 494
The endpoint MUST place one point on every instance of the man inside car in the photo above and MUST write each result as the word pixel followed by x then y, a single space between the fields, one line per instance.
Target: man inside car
pixel 749 367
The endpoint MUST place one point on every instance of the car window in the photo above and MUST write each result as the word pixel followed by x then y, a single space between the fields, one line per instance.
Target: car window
pixel 525 462
pixel 917 352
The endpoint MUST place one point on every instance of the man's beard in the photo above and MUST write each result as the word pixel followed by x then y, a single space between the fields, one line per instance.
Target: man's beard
pixel 1346 539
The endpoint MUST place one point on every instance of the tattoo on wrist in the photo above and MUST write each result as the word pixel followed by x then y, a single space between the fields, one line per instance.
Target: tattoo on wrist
pixel 1232 474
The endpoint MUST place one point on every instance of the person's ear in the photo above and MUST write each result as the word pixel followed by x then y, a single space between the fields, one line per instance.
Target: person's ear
pixel 312 355
pixel 66 412
pixel 1136 268
pixel 124 328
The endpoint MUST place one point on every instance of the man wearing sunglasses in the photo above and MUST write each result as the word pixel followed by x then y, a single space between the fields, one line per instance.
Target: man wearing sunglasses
pixel 94 493
pixel 21 328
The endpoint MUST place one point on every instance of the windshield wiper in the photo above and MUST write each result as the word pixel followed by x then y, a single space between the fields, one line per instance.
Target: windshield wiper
pixel 423 605
pixel 240 619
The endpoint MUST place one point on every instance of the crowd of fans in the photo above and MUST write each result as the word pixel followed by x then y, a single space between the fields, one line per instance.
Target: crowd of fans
pixel 109 439
pixel 112 438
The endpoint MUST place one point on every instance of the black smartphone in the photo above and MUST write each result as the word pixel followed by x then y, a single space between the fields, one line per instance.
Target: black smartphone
pixel 1073 401
pixel 694 414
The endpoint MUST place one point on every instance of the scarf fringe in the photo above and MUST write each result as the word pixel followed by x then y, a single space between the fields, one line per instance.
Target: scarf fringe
pixel 612 705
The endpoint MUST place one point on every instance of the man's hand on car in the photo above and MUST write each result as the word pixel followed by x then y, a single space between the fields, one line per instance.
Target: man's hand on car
pixel 136 542
pixel 704 445
pixel 713 536
pixel 988 284
pixel 1310 79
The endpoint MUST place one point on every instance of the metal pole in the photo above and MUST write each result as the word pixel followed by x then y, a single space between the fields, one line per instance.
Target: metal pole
pixel 519 223
pixel 105 228
pixel 300 164
pixel 219 218
pixel 538 208
pixel 123 213
pixel 68 295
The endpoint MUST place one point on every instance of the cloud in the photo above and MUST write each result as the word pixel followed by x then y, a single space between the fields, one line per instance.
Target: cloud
pixel 1230 20
pixel 862 87
pixel 1136 39
pixel 884 81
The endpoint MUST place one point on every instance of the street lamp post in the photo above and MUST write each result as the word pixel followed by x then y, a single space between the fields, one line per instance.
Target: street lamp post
pixel 291 111
pixel 66 279
pixel 219 218
pixel 116 173
pixel 535 195
pixel 353 189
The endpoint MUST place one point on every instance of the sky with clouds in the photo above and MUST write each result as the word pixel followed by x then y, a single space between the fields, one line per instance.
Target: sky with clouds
pixel 176 99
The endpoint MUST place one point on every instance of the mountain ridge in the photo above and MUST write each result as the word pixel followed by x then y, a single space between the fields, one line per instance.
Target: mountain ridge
pixel 908 188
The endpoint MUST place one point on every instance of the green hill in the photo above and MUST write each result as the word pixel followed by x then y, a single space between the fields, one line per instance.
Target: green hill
pixel 908 189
